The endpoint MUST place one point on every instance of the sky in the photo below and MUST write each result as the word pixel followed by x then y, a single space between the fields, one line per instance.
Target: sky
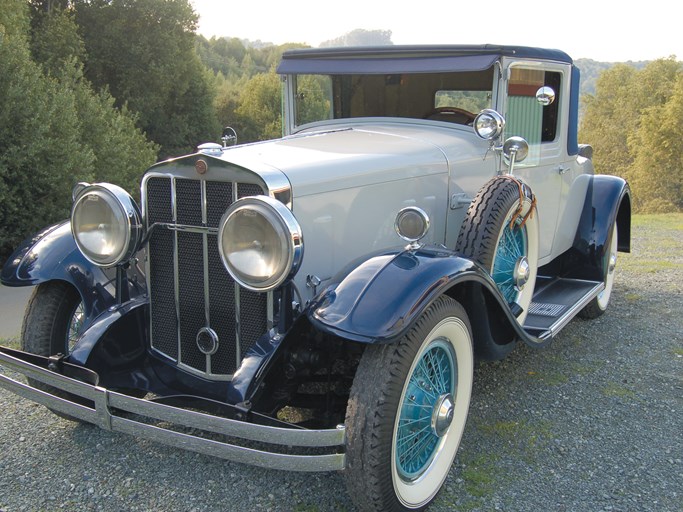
pixel 602 30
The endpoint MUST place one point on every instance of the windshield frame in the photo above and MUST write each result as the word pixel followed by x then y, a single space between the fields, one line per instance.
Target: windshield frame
pixel 291 96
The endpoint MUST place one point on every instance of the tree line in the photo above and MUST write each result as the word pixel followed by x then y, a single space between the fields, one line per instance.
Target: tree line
pixel 98 90
pixel 634 123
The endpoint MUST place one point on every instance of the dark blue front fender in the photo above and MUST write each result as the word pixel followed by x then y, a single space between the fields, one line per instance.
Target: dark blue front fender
pixel 380 299
pixel 51 254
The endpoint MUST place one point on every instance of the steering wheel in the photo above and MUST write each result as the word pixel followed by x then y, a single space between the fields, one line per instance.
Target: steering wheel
pixel 452 114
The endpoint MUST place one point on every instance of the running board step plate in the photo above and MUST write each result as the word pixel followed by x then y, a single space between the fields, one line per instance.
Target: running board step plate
pixel 556 302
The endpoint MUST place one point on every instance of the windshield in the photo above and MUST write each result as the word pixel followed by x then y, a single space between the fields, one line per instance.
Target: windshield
pixel 454 97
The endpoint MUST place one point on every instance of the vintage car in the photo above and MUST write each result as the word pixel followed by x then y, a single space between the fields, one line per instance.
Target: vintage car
pixel 317 302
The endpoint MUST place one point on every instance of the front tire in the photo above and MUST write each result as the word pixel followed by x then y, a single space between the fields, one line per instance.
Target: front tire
pixel 407 411
pixel 52 323
pixel 53 319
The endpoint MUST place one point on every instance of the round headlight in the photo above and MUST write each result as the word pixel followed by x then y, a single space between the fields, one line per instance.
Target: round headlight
pixel 489 124
pixel 260 243
pixel 106 224
pixel 412 223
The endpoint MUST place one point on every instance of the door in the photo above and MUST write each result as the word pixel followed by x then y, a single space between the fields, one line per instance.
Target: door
pixel 542 127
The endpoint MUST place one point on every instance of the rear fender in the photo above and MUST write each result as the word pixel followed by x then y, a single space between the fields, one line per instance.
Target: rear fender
pixel 608 200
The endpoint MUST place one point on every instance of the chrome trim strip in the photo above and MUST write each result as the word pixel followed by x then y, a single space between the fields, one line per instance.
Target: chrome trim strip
pixel 205 266
pixel 269 310
pixel 238 326
pixel 270 460
pixel 189 229
pixel 53 402
pixel 238 304
pixel 105 400
pixel 176 267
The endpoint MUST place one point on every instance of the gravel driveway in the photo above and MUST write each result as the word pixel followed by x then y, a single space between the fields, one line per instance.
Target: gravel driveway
pixel 594 422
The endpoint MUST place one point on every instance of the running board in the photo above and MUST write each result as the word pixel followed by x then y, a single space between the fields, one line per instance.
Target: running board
pixel 556 301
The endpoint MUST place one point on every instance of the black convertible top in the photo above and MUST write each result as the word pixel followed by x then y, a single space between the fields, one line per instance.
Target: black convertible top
pixel 399 58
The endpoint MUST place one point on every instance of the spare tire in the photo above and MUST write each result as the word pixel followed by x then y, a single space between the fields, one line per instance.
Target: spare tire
pixel 500 232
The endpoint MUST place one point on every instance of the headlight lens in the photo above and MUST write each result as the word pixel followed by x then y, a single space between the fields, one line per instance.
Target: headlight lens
pixel 412 223
pixel 260 243
pixel 489 124
pixel 106 224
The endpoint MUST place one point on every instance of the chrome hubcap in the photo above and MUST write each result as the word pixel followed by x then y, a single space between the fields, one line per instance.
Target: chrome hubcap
pixel 442 416
pixel 522 272
pixel 612 263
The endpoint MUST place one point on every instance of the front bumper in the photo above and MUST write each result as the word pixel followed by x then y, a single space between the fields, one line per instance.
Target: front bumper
pixel 111 410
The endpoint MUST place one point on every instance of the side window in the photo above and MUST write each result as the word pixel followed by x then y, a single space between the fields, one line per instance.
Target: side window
pixel 313 98
pixel 525 116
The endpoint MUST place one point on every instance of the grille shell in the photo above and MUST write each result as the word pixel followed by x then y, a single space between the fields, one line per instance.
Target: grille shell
pixel 189 287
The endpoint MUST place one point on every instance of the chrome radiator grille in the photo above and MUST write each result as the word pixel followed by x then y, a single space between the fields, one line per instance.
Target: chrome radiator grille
pixel 189 288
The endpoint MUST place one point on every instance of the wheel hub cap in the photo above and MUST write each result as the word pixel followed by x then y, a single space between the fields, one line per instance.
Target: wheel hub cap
pixel 522 272
pixel 612 263
pixel 442 416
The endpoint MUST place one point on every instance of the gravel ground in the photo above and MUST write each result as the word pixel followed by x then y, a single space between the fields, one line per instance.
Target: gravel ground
pixel 591 423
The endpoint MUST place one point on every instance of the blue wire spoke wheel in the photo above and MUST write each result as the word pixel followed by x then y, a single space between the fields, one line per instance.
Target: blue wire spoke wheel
pixel 407 411
pixel 510 259
pixel 426 409
pixel 500 232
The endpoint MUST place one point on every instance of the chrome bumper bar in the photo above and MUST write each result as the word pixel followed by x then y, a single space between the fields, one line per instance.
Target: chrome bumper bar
pixel 108 405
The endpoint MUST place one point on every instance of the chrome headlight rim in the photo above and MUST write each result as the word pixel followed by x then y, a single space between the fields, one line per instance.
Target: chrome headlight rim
pixel 283 221
pixel 410 219
pixel 491 119
pixel 127 209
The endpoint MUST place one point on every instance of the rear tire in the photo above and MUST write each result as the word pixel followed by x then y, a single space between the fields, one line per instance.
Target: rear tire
pixel 598 305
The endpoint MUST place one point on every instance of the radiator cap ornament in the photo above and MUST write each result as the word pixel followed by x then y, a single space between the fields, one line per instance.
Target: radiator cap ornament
pixel 201 166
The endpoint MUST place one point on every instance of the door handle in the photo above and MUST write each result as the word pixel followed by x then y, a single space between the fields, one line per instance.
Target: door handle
pixel 562 169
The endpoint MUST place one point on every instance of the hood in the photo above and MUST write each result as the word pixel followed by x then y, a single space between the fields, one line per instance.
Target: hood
pixel 323 161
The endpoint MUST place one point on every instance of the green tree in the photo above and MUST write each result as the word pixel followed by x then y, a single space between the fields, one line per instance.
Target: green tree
pixel 259 115
pixel 143 52
pixel 658 155
pixel 248 96
pixel 623 121
pixel 39 136
pixel 314 98
pixel 228 101
pixel 54 129
pixel 609 118
pixel 121 151
pixel 54 38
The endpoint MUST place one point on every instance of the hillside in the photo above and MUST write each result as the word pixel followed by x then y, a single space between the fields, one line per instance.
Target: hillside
pixel 591 69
